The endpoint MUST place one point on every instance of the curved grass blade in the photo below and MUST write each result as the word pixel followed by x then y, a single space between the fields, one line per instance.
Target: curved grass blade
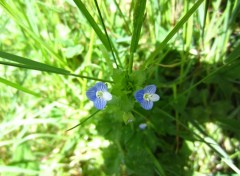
pixel 83 121
pixel 216 147
pixel 208 141
pixel 31 67
pixel 34 65
pixel 31 63
pixel 180 24
pixel 18 87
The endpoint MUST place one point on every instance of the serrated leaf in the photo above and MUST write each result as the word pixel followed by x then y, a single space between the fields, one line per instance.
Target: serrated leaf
pixel 126 103
pixel 139 77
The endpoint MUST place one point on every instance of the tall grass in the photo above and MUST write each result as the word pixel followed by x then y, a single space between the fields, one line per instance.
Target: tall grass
pixel 52 52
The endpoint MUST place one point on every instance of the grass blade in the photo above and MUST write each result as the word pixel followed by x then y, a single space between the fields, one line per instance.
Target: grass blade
pixel 180 24
pixel 20 19
pixel 33 65
pixel 235 13
pixel 18 87
pixel 138 19
pixel 205 17
pixel 104 27
pixel 92 22
pixel 30 67
pixel 156 162
pixel 122 16
pixel 83 121
pixel 216 147
pixel 234 54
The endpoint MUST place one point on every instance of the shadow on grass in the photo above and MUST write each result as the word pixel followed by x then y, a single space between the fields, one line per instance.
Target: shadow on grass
pixel 163 147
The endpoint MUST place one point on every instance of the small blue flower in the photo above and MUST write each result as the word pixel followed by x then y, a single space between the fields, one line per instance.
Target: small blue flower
pixel 143 126
pixel 99 95
pixel 147 96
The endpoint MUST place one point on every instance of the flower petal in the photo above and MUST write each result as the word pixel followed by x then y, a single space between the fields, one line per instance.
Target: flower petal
pixel 147 105
pixel 154 97
pixel 91 93
pixel 150 89
pixel 101 86
pixel 107 96
pixel 100 103
pixel 139 95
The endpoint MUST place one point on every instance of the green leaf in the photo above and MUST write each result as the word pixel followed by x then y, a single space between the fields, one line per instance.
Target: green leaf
pixel 139 78
pixel 17 86
pixel 126 103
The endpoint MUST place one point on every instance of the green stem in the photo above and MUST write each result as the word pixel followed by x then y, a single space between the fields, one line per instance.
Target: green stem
pixel 130 64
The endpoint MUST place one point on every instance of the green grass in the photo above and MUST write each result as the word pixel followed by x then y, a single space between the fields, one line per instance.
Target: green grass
pixel 52 52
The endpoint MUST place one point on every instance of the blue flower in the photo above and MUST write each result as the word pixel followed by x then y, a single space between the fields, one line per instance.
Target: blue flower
pixel 99 95
pixel 143 126
pixel 147 96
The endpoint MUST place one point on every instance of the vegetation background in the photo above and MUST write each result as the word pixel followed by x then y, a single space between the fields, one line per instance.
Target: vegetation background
pixel 52 51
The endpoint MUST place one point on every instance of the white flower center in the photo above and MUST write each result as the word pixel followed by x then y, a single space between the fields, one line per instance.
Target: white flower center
pixel 104 95
pixel 151 97
pixel 99 94
pixel 147 96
